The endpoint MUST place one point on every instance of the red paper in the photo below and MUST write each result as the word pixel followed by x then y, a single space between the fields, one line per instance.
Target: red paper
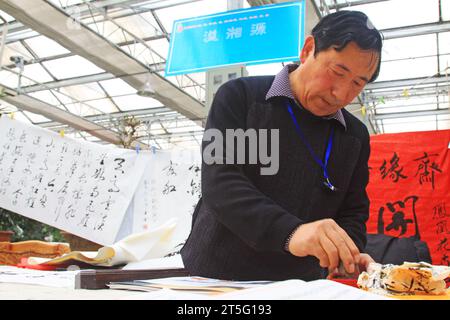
pixel 410 186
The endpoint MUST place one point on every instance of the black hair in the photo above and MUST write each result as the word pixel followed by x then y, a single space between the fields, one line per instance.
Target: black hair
pixel 339 28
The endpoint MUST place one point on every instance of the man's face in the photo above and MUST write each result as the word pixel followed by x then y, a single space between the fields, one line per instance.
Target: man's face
pixel 330 80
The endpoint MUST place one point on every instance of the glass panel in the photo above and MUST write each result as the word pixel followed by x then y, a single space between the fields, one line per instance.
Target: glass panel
pixel 444 117
pixel 37 73
pixel 45 47
pixel 81 109
pixel 158 131
pixel 6 107
pixel 200 77
pixel 141 25
pixel 444 42
pixel 445 9
pixel 142 53
pixel 408 47
pixel 406 105
pixel 444 125
pixel 83 92
pixel 36 118
pixel 424 123
pixel 192 91
pixel 155 126
pixel 45 96
pixel 398 13
pixel 66 3
pixel 162 143
pixel 444 64
pixel 134 102
pixel 6 16
pixel 103 105
pixel 404 69
pixel 110 31
pixel 21 117
pixel 8 79
pixel 182 129
pixel 117 87
pixel 195 9
pixel 62 97
pixel 444 100
pixel 72 67
pixel 161 46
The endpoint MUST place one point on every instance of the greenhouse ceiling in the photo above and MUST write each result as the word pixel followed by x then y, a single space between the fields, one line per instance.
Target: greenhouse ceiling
pixel 81 68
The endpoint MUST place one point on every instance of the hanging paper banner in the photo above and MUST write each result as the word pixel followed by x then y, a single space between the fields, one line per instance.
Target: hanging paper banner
pixel 169 188
pixel 77 186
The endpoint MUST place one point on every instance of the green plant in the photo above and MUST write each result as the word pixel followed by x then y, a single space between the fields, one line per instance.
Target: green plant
pixel 27 229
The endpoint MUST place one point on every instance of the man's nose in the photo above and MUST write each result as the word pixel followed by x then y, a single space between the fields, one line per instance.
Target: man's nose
pixel 340 92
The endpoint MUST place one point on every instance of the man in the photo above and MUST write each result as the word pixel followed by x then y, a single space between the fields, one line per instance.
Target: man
pixel 311 214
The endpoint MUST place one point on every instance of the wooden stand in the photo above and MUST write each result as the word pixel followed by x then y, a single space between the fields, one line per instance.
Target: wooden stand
pixel 98 279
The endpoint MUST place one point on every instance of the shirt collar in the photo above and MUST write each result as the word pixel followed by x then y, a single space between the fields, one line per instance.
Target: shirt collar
pixel 281 88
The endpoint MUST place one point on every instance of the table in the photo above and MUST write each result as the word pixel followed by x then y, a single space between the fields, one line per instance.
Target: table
pixel 16 291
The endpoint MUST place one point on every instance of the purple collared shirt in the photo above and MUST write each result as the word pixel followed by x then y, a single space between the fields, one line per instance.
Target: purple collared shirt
pixel 282 88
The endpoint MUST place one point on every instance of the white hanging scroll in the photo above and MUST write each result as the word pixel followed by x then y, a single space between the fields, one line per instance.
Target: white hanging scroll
pixel 170 188
pixel 81 187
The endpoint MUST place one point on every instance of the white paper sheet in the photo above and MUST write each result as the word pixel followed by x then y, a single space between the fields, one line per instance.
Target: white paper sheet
pixel 301 290
pixel 60 279
pixel 172 262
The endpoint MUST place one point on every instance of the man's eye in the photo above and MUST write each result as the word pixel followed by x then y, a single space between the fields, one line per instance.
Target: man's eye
pixel 337 73
pixel 357 83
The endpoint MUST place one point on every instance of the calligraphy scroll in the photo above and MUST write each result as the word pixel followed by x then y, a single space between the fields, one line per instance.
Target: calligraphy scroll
pixel 409 186
pixel 81 187
pixel 169 188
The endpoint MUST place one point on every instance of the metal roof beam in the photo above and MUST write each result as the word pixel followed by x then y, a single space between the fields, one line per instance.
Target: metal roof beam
pixel 34 105
pixel 405 83
pixel 109 116
pixel 397 115
pixel 68 82
pixel 416 30
pixel 338 6
pixel 79 80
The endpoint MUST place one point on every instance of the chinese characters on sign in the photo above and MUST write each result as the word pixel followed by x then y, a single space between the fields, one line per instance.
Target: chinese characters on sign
pixel 409 188
pixel 425 172
pixel 394 172
pixel 440 220
pixel 256 29
pixel 397 215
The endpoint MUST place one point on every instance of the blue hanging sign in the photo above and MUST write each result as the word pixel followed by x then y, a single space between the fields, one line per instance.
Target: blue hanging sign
pixel 271 33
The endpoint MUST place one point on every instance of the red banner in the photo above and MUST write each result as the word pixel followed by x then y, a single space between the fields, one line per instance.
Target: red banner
pixel 409 188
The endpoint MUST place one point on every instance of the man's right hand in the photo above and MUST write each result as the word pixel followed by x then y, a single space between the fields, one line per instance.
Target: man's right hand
pixel 328 242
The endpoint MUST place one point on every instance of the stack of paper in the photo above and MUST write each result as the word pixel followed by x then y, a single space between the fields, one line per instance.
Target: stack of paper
pixel 188 284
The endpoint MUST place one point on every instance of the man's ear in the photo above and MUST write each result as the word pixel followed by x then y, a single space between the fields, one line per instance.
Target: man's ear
pixel 308 48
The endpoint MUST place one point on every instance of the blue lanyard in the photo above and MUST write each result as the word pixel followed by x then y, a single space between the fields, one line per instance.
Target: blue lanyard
pixel 323 165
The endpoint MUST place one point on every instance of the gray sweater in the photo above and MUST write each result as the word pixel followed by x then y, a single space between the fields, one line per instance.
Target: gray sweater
pixel 242 222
